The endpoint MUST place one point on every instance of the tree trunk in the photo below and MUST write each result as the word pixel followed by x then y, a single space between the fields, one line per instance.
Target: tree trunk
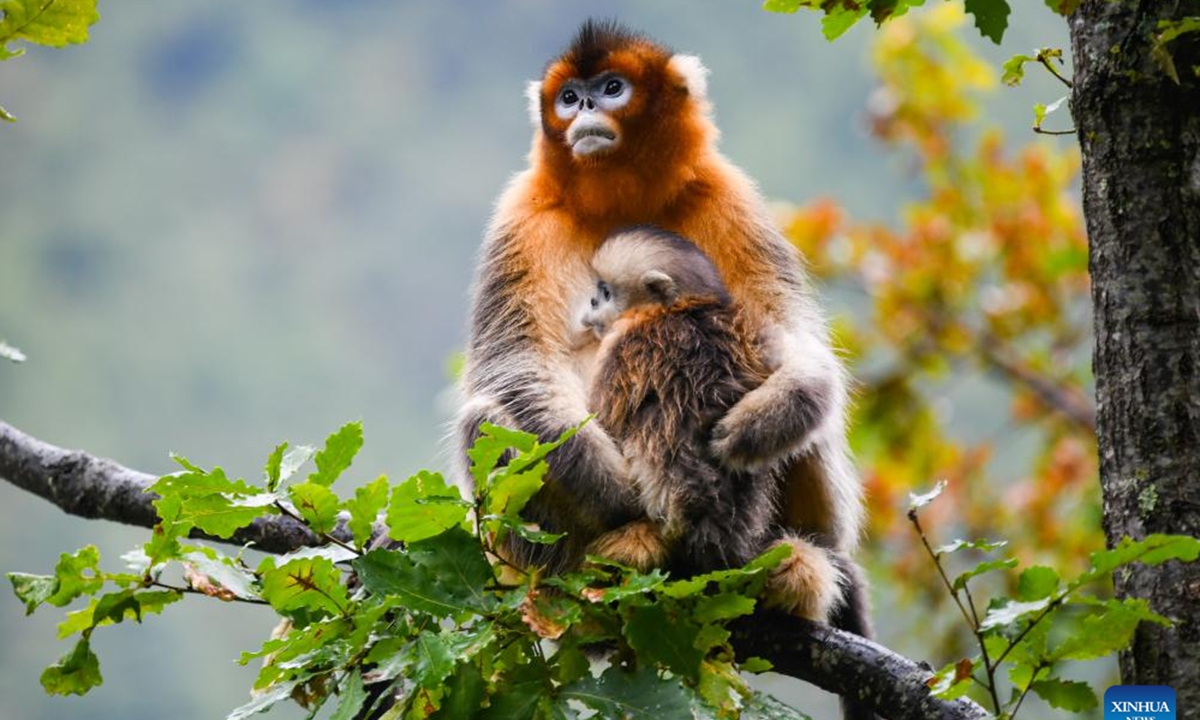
pixel 1140 134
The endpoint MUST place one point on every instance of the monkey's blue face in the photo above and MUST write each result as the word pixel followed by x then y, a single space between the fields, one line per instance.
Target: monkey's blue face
pixel 588 105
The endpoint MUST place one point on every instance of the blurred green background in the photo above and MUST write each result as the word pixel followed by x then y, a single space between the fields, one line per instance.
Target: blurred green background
pixel 224 224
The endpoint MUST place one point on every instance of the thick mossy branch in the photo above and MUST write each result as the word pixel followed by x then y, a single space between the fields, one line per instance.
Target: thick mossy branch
pixel 96 488
pixel 92 487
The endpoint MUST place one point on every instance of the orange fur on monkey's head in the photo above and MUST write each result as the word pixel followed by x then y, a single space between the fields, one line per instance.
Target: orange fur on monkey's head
pixel 619 117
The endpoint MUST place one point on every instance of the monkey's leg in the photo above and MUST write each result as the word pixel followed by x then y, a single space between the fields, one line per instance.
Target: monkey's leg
pixel 808 583
pixel 639 544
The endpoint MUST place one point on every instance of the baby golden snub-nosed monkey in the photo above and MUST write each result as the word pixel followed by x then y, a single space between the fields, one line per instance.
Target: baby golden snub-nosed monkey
pixel 623 137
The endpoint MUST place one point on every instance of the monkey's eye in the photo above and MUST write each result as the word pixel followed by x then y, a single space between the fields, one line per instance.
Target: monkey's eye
pixel 595 303
pixel 614 87
pixel 569 97
pixel 605 292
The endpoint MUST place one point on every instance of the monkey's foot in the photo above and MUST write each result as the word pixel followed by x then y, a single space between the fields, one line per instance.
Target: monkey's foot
pixel 806 584
pixel 639 545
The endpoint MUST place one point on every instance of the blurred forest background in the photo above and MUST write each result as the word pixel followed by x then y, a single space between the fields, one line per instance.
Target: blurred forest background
pixel 225 225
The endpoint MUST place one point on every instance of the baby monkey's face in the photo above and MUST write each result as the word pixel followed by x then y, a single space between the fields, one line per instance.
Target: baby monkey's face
pixel 603 309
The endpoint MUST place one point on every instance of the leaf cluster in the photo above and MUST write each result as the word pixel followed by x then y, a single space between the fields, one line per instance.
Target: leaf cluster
pixel 54 23
pixel 1025 641
pixel 409 602
pixel 991 16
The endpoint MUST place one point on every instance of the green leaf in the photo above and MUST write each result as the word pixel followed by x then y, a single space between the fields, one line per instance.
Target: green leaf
pixel 75 673
pixel 782 6
pixel 724 606
pixel 1109 628
pixel 640 695
pixel 312 583
pixel 721 688
pixel 117 607
pixel 960 581
pixel 531 533
pixel 1067 695
pixel 8 351
pixel 76 574
pixel 509 493
pixel 570 663
pixel 274 465
pixel 364 508
pixel 991 17
pixel 1037 582
pixel 917 501
pixel 424 506
pixel 490 446
pixel 224 571
pixel 1010 612
pixel 1040 111
pixel 33 590
pixel 1154 550
pixel 207 500
pixel 664 639
pixel 339 451
pixel 429 660
pixel 1014 69
pixel 443 575
pixel 755 665
pixel 353 696
pixel 317 504
pixel 464 693
pixel 54 23
pixel 981 545
pixel 263 701
pixel 517 697
pixel 837 21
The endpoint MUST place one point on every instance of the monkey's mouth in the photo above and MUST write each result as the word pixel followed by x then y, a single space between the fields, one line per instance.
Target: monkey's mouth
pixel 592 139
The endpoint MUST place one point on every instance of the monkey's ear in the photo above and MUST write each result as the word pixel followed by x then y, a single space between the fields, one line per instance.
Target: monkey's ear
pixel 533 94
pixel 692 72
pixel 660 286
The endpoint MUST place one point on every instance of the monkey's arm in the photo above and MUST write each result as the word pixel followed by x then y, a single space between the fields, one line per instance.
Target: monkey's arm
pixel 805 392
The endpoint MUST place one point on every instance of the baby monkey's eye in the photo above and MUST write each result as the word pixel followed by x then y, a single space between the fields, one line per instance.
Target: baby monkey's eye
pixel 613 87
pixel 569 97
pixel 605 291
pixel 595 303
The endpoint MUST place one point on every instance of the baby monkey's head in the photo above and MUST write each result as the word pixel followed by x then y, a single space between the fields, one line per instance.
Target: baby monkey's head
pixel 648 266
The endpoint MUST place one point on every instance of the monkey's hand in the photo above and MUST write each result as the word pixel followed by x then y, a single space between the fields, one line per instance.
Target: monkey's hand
pixel 770 423
pixel 639 545
pixel 775 421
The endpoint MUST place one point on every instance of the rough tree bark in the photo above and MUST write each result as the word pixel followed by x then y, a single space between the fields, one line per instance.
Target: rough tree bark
pixel 1140 134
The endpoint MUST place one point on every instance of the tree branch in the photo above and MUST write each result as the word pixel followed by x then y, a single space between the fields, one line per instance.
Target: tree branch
pixel 95 488
pixel 851 666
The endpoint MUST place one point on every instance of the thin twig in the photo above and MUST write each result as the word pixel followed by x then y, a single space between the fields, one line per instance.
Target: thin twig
pixel 1045 61
pixel 1041 131
pixel 972 618
pixel 194 591
pixel 324 536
